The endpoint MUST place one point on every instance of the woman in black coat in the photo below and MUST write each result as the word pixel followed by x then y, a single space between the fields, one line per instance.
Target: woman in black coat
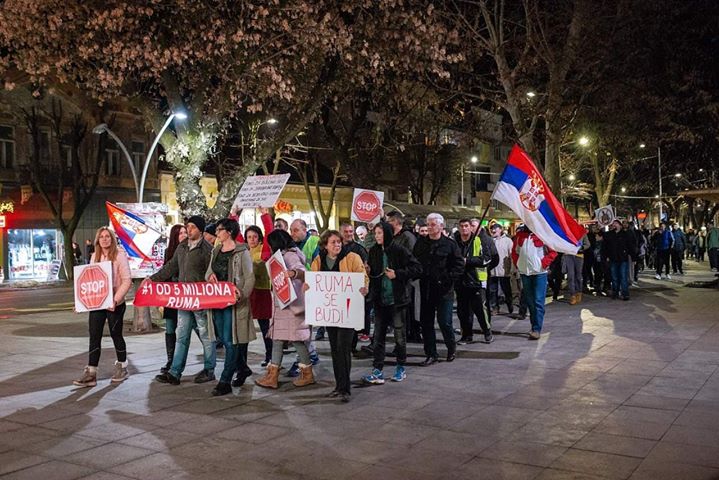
pixel 391 268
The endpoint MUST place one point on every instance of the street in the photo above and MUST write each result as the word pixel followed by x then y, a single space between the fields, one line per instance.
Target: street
pixel 612 390
pixel 23 301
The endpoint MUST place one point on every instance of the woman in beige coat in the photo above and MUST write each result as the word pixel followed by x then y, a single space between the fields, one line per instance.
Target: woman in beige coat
pixel 231 262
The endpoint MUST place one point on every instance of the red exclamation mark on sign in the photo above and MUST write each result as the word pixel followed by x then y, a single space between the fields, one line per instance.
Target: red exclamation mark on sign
pixel 348 308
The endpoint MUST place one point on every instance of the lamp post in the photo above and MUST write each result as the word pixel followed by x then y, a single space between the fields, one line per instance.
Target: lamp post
pixel 474 159
pixel 659 168
pixel 103 128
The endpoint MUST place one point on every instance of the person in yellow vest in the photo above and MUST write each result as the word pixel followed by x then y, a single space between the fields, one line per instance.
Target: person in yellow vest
pixel 471 287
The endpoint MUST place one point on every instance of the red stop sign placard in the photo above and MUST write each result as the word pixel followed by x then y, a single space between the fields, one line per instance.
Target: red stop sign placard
pixel 93 287
pixel 280 284
pixel 366 206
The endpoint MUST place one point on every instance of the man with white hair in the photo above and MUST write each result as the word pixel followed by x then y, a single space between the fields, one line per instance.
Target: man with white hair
pixel 442 265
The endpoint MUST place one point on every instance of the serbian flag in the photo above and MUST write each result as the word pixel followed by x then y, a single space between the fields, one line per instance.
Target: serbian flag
pixel 136 237
pixel 522 188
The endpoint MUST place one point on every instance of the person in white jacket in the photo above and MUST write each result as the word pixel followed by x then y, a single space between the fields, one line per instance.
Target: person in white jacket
pixel 500 275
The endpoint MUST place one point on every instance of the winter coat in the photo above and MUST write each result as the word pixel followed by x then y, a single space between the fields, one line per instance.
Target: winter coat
pixel 121 277
pixel 504 250
pixel 713 238
pixel 187 264
pixel 664 241
pixel 346 262
pixel 241 274
pixel 530 255
pixel 442 265
pixel 405 238
pixel 680 240
pixel 480 258
pixel 399 259
pixel 289 323
pixel 618 246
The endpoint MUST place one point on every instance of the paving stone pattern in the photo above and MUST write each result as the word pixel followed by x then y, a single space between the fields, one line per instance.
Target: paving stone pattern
pixel 612 390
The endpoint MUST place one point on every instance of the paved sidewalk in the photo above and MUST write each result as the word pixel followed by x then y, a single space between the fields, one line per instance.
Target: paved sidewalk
pixel 612 390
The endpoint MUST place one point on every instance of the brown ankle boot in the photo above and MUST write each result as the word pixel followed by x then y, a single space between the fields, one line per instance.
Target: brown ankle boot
pixel 306 376
pixel 271 377
pixel 573 299
pixel 88 379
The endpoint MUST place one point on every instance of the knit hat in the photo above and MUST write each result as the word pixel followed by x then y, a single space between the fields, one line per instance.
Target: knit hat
pixel 198 221
pixel 211 229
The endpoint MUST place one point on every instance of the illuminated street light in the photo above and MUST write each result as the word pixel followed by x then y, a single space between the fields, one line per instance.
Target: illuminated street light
pixel 583 141
pixel 174 115
pixel 624 189
pixel 474 159
pixel 271 121
pixel 531 94
pixel 678 175
pixel 642 145
pixel 572 177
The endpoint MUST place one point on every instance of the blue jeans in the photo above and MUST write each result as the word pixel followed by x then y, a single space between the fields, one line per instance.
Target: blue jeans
pixel 223 328
pixel 443 309
pixel 534 290
pixel 186 322
pixel 620 278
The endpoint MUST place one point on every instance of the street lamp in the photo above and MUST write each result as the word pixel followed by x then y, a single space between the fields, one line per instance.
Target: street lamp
pixel 572 177
pixel 179 116
pixel 473 159
pixel 583 141
pixel 624 189
pixel 659 168
pixel 677 175
pixel 103 128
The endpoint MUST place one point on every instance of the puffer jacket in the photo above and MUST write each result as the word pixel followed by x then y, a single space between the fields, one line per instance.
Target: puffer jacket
pixel 289 323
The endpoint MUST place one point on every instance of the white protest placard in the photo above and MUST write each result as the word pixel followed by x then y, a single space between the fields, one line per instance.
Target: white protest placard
pixel 261 191
pixel 334 299
pixel 281 285
pixel 367 205
pixel 605 215
pixel 93 287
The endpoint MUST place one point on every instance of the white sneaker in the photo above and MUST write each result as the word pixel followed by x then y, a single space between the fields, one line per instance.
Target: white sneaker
pixel 658 277
pixel 669 277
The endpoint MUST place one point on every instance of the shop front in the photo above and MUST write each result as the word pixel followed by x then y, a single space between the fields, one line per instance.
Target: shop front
pixel 33 254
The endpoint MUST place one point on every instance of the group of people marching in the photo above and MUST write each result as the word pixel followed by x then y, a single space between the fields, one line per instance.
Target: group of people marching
pixel 413 274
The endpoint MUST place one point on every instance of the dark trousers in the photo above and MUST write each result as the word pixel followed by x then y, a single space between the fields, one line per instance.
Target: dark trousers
pixel 412 315
pixel 587 268
pixel 96 324
pixel 662 261
pixel 265 327
pixel 341 347
pixel 384 317
pixel 554 279
pixel 713 260
pixel 700 254
pixel 506 284
pixel 472 301
pixel 677 261
pixel 442 308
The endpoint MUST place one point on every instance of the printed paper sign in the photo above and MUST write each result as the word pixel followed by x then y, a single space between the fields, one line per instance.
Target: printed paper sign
pixel 138 227
pixel 261 191
pixel 604 215
pixel 281 285
pixel 186 295
pixel 367 205
pixel 334 299
pixel 93 287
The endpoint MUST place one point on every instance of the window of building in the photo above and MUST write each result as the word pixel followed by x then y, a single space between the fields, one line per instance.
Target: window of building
pixel 137 150
pixel 112 162
pixel 45 137
pixel 66 155
pixel 480 180
pixel 7 146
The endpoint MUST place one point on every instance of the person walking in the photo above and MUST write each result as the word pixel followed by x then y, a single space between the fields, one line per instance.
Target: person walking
pixel 713 246
pixel 231 261
pixel 288 324
pixel 334 257
pixel 471 286
pixel 442 265
pixel 178 234
pixel 533 258
pixel 189 264
pixel 664 243
pixel 618 247
pixel 677 253
pixel 701 243
pixel 500 275
pixel 391 268
pixel 261 297
pixel 573 266
pixel 105 250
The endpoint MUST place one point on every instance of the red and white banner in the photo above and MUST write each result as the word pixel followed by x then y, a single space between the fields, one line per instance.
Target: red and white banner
pixel 367 205
pixel 93 287
pixel 185 295
pixel 281 285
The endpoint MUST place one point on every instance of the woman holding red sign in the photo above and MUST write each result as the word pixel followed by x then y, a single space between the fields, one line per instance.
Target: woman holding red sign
pixel 334 257
pixel 106 251
pixel 231 262
pixel 289 324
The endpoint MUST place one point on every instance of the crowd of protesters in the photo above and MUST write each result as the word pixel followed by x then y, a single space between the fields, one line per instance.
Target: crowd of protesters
pixel 415 273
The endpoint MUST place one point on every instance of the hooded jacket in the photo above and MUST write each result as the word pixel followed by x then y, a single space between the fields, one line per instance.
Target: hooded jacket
pixel 399 259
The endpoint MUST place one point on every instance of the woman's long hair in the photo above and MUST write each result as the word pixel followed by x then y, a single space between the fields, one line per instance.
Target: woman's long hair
pixel 174 241
pixel 112 253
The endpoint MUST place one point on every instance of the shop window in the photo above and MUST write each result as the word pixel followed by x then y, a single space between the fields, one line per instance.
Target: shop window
pixel 7 146
pixel 32 253
pixel 112 162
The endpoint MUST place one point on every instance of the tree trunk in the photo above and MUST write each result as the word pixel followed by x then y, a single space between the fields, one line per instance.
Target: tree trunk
pixel 552 168
pixel 68 257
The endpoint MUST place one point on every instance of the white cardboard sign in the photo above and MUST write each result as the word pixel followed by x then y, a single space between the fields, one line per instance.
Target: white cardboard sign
pixel 605 215
pixel 261 191
pixel 334 299
pixel 93 287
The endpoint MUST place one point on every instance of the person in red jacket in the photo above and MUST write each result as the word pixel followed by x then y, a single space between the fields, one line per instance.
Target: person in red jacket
pixel 532 258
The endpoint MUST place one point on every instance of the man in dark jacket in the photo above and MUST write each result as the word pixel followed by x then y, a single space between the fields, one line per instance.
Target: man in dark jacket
pixel 663 245
pixel 442 264
pixel 391 268
pixel 477 251
pixel 618 247
pixel 677 253
pixel 404 237
pixel 189 264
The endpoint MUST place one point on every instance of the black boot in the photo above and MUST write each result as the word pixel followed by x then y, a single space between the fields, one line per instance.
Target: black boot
pixel 170 339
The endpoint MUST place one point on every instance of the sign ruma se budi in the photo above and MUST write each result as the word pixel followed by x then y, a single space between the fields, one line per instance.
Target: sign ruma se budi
pixel 367 205
pixel 93 287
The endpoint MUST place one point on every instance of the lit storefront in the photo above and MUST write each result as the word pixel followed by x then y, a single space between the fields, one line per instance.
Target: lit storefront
pixel 32 253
